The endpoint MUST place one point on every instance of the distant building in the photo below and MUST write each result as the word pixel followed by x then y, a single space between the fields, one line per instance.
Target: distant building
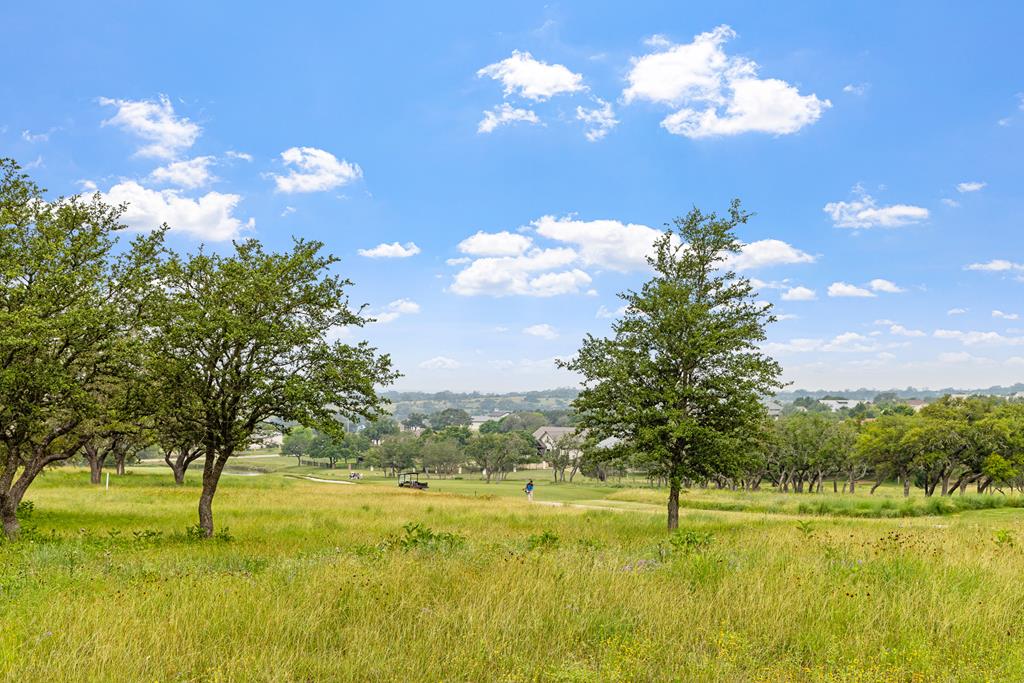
pixel 477 420
pixel 916 404
pixel 837 404
pixel 547 439
pixel 773 407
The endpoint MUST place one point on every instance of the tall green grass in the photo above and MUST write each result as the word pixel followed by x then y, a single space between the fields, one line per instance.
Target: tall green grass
pixel 319 582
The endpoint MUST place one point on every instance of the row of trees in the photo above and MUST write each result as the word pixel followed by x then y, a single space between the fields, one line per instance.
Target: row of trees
pixel 106 347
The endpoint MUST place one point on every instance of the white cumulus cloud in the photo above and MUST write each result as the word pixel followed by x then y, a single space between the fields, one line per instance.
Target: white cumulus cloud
pixel 769 252
pixel 532 79
pixel 799 293
pixel 392 250
pixel 996 266
pixel 846 289
pixel 1005 316
pixel 970 186
pixel 396 309
pixel 864 212
pixel 314 170
pixel 539 272
pixel 542 330
pixel 606 243
pixel 880 285
pixel 502 243
pixel 599 120
pixel 503 115
pixel 191 173
pixel 716 94
pixel 440 363
pixel 208 217
pixel 165 134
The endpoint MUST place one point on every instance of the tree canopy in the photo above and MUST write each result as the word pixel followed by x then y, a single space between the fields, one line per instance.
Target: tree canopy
pixel 682 376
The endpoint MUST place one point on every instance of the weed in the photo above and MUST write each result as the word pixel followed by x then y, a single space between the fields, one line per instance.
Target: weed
pixel 546 540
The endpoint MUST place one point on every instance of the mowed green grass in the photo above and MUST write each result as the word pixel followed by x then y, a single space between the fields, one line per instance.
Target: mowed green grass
pixel 316 584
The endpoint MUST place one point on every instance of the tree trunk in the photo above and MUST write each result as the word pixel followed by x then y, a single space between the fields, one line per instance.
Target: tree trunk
pixel 673 504
pixel 212 469
pixel 906 487
pixel 119 461
pixel 95 456
pixel 95 470
pixel 8 512
pixel 876 485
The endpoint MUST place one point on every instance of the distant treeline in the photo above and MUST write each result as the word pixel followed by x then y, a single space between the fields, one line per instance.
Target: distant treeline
pixel 908 393
pixel 476 403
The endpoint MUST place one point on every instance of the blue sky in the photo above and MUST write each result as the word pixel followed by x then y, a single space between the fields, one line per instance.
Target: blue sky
pixel 880 147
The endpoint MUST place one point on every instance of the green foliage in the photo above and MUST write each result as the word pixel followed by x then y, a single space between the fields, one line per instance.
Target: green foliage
pixel 72 301
pixel 241 338
pixel 450 417
pixel 682 377
pixel 545 540
pixel 686 541
pixel 422 538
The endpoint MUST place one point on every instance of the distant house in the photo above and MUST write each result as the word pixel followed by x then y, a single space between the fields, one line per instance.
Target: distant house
pixel 916 404
pixel 477 420
pixel 547 439
pixel 773 407
pixel 837 404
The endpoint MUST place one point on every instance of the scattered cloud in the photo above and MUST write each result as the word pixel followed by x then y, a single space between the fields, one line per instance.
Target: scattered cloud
pixel 503 115
pixel 769 252
pixel 314 170
pixel 542 330
pixel 846 289
pixel 799 293
pixel 715 94
pixel 605 313
pixel 392 250
pixel 33 138
pixel 996 266
pixel 856 88
pixel 951 203
pixel 440 363
pixel 287 211
pixel 395 310
pixel 241 156
pixel 599 120
pixel 191 173
pixel 847 342
pixel 977 338
pixel 164 133
pixel 971 186
pixel 209 217
pixel 956 311
pixel 512 264
pixel 539 272
pixel 605 243
pixel 959 357
pixel 1005 316
pixel 502 243
pixel 864 212
pixel 880 285
pixel 901 331
pixel 532 79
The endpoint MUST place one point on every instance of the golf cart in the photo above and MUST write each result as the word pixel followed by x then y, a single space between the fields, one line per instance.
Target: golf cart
pixel 411 480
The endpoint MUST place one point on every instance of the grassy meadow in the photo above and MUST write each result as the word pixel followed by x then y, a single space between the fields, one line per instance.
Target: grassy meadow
pixel 469 582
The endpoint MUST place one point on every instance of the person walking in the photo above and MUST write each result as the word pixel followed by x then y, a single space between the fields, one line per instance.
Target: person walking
pixel 529 490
